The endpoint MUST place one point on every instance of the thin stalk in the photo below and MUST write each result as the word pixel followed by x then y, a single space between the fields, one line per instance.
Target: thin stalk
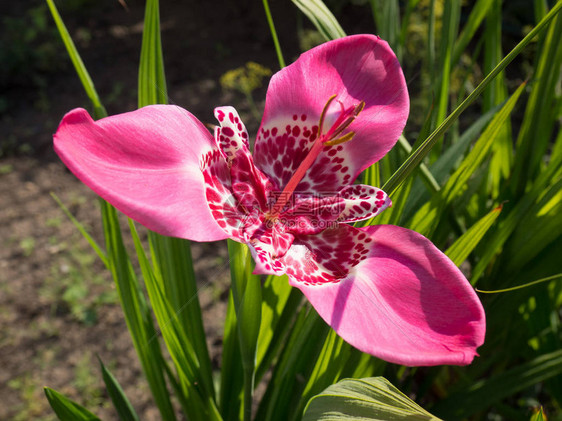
pixel 249 377
pixel 273 34
pixel 538 281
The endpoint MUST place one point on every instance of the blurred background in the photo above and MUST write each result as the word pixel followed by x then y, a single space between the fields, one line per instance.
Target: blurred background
pixel 58 306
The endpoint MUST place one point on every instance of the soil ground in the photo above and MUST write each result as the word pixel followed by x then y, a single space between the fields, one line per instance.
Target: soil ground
pixel 58 306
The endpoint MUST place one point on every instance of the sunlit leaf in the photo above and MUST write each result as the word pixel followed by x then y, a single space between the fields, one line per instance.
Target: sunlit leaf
pixel 66 409
pixel 372 398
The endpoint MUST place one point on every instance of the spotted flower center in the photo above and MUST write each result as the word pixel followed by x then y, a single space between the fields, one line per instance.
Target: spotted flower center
pixel 250 206
pixel 345 118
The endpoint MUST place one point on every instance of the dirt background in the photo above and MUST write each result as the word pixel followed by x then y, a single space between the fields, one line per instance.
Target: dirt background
pixel 58 306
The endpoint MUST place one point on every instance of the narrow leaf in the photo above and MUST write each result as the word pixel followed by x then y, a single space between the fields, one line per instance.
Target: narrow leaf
pixel 463 246
pixel 66 409
pixel 321 17
pixel 416 157
pixel 124 408
pixel 99 110
pixel 484 393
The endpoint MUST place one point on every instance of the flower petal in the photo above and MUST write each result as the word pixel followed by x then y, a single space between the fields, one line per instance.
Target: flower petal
pixel 232 135
pixel 328 256
pixel 148 164
pixel 406 303
pixel 355 68
pixel 362 202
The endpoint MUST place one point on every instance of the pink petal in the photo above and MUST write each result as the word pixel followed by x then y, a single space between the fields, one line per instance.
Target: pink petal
pixel 232 135
pixel 148 164
pixel 362 202
pixel 312 214
pixel 406 303
pixel 355 68
pixel 328 256
pixel 238 192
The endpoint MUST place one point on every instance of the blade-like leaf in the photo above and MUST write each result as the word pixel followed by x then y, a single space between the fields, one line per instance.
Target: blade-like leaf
pixel 321 17
pixel 416 157
pixel 460 249
pixel 181 350
pixel 136 311
pixel 122 405
pixel 484 393
pixel 99 110
pixel 80 227
pixel 427 218
pixel 152 81
pixel 66 409
pixel 372 398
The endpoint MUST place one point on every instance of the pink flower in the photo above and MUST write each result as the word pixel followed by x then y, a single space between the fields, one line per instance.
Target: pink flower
pixel 338 109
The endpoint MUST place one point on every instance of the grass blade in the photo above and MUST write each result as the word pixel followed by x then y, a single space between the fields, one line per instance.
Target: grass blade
pixel 66 409
pixel 124 408
pixel 152 81
pixel 82 230
pixel 321 18
pixel 416 157
pixel 99 110
pixel 484 393
pixel 465 244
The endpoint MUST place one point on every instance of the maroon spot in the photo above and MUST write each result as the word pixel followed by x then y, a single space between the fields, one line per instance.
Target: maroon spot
pixel 227 131
pixel 274 131
pixel 296 131
pixel 303 117
pixel 295 117
pixel 231 117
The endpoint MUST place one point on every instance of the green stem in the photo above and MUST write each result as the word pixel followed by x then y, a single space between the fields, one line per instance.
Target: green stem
pixel 249 376
pixel 538 281
pixel 273 34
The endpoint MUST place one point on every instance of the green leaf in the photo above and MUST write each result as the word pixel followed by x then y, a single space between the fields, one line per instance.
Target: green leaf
pixel 477 13
pixel 80 227
pixel 484 393
pixel 152 81
pixel 328 368
pixel 246 294
pixel 321 17
pixel 99 110
pixel 465 244
pixel 528 284
pixel 66 409
pixel 124 408
pixel 538 415
pixel 539 119
pixel 427 218
pixel 373 398
pixel 173 264
pixel 136 311
pixel 295 364
pixel 441 168
pixel 515 217
pixel 416 157
pixel 199 398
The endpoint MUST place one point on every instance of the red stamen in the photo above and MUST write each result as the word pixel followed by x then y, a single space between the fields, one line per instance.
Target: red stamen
pixel 343 121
